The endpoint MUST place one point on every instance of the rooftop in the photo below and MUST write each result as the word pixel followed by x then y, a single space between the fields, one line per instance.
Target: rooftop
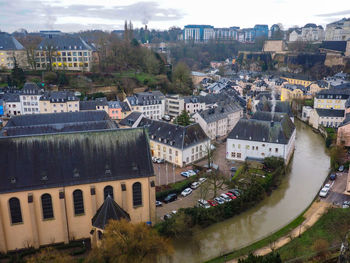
pixel 8 42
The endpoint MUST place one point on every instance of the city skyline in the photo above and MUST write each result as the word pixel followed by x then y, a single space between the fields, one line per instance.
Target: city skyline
pixel 162 14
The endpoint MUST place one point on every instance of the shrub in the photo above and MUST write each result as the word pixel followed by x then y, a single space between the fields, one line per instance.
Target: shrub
pixel 176 188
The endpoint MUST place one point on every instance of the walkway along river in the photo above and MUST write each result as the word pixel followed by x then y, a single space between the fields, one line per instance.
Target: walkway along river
pixel 309 169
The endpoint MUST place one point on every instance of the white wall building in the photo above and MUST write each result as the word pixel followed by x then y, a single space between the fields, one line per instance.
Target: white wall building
pixel 29 98
pixel 174 105
pixel 339 30
pixel 256 139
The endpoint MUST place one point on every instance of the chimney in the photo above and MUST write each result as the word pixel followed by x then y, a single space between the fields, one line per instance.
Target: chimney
pixel 271 123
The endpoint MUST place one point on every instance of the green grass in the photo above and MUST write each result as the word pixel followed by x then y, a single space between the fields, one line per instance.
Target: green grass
pixel 261 243
pixel 331 227
pixel 3 84
pixel 142 78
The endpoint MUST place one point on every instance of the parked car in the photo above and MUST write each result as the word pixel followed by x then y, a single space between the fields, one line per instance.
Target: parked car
pixel 170 215
pixel 154 159
pixel 226 197
pixel 170 198
pixel 212 202
pixel 328 186
pixel 203 203
pixel 219 200
pixel 186 192
pixel 232 196
pixel 324 192
pixel 191 172
pixel 233 169
pixel 202 180
pixel 166 118
pixel 333 176
pixel 195 185
pixel 341 168
pixel 160 160
pixel 185 174
pixel 236 192
pixel 159 203
pixel 346 204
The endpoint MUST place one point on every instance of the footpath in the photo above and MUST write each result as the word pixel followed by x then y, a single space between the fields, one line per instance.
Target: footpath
pixel 316 210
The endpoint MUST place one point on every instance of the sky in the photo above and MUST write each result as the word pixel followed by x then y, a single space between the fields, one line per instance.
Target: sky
pixel 76 15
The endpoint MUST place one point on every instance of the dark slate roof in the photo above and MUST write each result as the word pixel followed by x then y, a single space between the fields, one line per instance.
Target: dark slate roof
pixel 220 112
pixel 10 97
pixel 57 123
pixel 293 87
pixel 130 119
pixel 338 92
pixel 174 135
pixel 114 104
pixel 109 210
pixel 59 96
pixel 92 104
pixel 281 106
pixel 125 106
pixel 65 159
pixel 64 42
pixel 339 46
pixel 267 116
pixel 30 88
pixel 346 121
pixel 263 131
pixel 146 98
pixel 267 95
pixel 296 76
pixel 8 42
pixel 330 113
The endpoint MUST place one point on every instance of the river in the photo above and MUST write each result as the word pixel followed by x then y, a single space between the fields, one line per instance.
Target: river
pixel 309 169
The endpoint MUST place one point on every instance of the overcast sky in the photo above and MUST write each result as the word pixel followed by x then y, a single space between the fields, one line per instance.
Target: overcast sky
pixel 75 15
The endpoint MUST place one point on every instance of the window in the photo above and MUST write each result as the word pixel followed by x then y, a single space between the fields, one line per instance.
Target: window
pixel 137 194
pixel 78 202
pixel 233 155
pixel 239 155
pixel 276 150
pixel 15 210
pixel 108 191
pixel 46 203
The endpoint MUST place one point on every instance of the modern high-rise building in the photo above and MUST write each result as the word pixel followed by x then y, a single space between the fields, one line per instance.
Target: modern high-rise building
pixel 198 33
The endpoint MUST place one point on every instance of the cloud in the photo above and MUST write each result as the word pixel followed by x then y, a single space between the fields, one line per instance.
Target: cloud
pixel 34 15
pixel 340 13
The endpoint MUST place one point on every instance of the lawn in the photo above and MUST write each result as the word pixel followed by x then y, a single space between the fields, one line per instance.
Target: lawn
pixel 141 77
pixel 331 227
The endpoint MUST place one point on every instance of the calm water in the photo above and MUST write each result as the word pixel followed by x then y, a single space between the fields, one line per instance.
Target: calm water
pixel 309 168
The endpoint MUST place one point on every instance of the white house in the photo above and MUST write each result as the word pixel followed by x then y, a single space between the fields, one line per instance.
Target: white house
pixel 176 144
pixel 326 117
pixel 29 98
pixel 151 104
pixel 259 137
pixel 12 104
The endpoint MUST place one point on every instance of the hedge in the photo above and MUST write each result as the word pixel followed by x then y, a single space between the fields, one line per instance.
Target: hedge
pixel 176 188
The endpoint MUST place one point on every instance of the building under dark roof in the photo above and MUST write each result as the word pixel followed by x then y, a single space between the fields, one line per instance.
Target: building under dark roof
pixel 65 159
pixel 109 210
pixel 64 42
pixel 264 130
pixel 281 107
pixel 8 42
pixel 330 113
pixel 59 96
pixel 220 112
pixel 92 104
pixel 177 136
pixel 131 119
pixel 146 98
pixel 338 46
pixel 57 123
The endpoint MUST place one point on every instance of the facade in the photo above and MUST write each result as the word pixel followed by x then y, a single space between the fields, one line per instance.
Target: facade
pixel 306 112
pixel 151 104
pixel 298 80
pixel 64 52
pixel 29 97
pixel 294 91
pixel 310 32
pixel 176 144
pixel 198 33
pixel 334 98
pixel 326 118
pixel 194 104
pixel 338 31
pixel 96 104
pixel 12 104
pixel 261 31
pixel 343 132
pixel 259 137
pixel 11 49
pixel 274 46
pixel 51 192
pixel 115 110
pixel 219 121
pixel 174 105
pixel 226 34
pixel 58 101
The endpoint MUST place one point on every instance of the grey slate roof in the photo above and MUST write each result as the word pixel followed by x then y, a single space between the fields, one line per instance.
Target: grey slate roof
pixel 130 119
pixel 339 92
pixel 346 121
pixel 30 88
pixel 11 97
pixel 281 107
pixel 59 96
pixel 8 42
pixel 220 112
pixel 174 135
pixel 125 106
pixel 66 159
pixel 330 113
pixel 64 42
pixel 109 210
pixel 57 123
pixel 146 98
pixel 92 104
pixel 263 130
pixel 267 95
pixel 339 46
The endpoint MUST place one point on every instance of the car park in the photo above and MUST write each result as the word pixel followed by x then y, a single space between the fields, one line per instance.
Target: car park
pixel 219 200
pixel 203 203
pixel 159 203
pixel 236 192
pixel 333 176
pixel 195 185
pixel 185 174
pixel 170 198
pixel 186 192
pixel 212 202
pixel 226 198
pixel 202 180
pixel 232 196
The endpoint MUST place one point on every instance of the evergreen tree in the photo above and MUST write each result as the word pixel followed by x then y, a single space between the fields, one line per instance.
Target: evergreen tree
pixel 17 75
pixel 183 119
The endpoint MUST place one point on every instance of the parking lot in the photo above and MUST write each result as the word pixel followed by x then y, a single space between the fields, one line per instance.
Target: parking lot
pixel 337 194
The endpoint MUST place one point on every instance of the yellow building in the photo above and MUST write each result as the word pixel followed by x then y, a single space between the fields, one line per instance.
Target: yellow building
pixel 58 101
pixel 298 81
pixel 11 49
pixel 52 185
pixel 290 92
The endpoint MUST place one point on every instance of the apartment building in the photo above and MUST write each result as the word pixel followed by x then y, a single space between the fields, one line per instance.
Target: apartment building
pixel 174 105
pixel 11 49
pixel 58 101
pixel 29 97
pixel 338 30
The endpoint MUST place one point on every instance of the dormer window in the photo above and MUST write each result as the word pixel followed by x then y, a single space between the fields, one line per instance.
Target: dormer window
pixel 13 180
pixel 108 170
pixel 76 173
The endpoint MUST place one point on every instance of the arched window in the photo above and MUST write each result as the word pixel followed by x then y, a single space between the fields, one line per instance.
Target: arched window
pixel 108 191
pixel 46 203
pixel 15 210
pixel 137 194
pixel 78 202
